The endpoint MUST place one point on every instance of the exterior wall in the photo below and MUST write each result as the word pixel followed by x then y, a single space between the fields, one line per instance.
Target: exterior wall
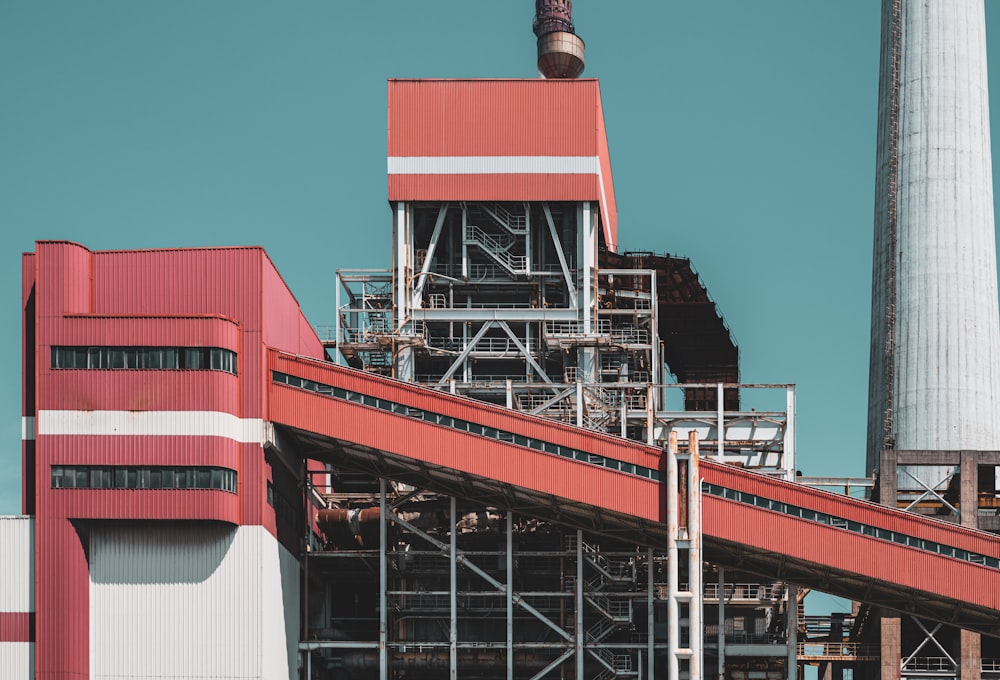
pixel 17 598
pixel 121 417
pixel 192 601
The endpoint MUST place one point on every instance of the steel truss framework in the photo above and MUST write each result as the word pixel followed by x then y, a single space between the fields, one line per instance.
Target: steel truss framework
pixel 507 303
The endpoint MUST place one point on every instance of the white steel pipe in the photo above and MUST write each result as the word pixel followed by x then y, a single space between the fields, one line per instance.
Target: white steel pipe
pixel 673 615
pixel 696 631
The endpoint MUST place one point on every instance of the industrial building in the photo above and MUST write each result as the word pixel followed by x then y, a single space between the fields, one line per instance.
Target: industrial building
pixel 517 452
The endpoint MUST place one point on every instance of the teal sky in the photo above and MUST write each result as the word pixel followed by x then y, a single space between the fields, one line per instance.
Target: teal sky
pixel 742 135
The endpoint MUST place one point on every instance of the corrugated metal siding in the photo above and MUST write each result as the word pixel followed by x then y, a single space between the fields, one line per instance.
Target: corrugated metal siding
pixel 866 513
pixel 501 118
pixel 17 660
pixel 28 320
pixel 492 117
pixel 609 204
pixel 192 601
pixel 141 503
pixel 135 390
pixel 841 550
pixel 65 276
pixel 192 331
pixel 495 187
pixel 465 408
pixel 62 599
pixel 442 447
pixel 740 523
pixel 180 282
pixel 17 564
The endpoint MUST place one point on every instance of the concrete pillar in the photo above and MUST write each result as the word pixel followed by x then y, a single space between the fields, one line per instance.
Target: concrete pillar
pixel 971 660
pixel 891 640
pixel 971 656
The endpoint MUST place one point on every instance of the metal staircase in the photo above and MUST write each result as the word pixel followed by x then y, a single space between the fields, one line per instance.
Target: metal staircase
pixel 513 224
pixel 605 593
pixel 497 247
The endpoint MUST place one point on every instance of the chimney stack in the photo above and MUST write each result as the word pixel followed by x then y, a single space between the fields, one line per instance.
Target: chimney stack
pixel 560 50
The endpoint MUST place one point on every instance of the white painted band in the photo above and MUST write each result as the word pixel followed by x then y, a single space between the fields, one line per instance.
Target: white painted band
pixel 506 165
pixel 27 428
pixel 152 423
pixel 494 165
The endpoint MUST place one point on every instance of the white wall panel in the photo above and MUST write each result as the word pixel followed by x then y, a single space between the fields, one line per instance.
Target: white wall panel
pixel 17 660
pixel 17 564
pixel 177 601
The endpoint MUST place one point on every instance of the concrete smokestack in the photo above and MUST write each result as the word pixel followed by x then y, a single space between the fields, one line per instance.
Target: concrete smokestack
pixel 935 352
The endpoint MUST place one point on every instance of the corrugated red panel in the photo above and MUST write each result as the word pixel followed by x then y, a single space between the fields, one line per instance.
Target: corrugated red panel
pixel 608 200
pixel 847 551
pixel 62 599
pixel 17 627
pixel 493 117
pixel 872 514
pixel 467 409
pixel 740 523
pixel 501 118
pixel 454 450
pixel 136 390
pixel 63 286
pixel 495 187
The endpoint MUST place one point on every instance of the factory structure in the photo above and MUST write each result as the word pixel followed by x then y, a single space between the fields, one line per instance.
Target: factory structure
pixel 518 452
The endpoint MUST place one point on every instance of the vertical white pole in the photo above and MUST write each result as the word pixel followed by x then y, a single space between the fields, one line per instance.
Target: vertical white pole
pixel 694 557
pixel 673 613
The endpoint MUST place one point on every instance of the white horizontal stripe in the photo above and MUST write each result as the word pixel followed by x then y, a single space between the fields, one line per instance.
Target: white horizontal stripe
pixel 156 423
pixel 506 165
pixel 494 165
pixel 27 428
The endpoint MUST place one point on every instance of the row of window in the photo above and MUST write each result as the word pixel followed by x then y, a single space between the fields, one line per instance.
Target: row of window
pixel 149 358
pixel 850 525
pixel 151 477
pixel 465 426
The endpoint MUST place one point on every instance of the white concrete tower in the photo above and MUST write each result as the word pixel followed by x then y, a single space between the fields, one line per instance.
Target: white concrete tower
pixel 935 353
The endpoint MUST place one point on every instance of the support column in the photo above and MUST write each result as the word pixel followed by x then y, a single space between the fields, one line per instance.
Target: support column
pixel 453 592
pixel 891 640
pixel 971 656
pixel 696 631
pixel 650 617
pixel 673 615
pixel 578 627
pixel 971 647
pixel 792 633
pixel 722 624
pixel 383 584
pixel 510 595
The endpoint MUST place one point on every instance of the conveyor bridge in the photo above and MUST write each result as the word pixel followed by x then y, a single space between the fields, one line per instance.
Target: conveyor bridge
pixel 607 485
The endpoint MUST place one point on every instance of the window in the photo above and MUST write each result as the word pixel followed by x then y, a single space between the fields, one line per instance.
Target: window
pixel 146 477
pixel 145 358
